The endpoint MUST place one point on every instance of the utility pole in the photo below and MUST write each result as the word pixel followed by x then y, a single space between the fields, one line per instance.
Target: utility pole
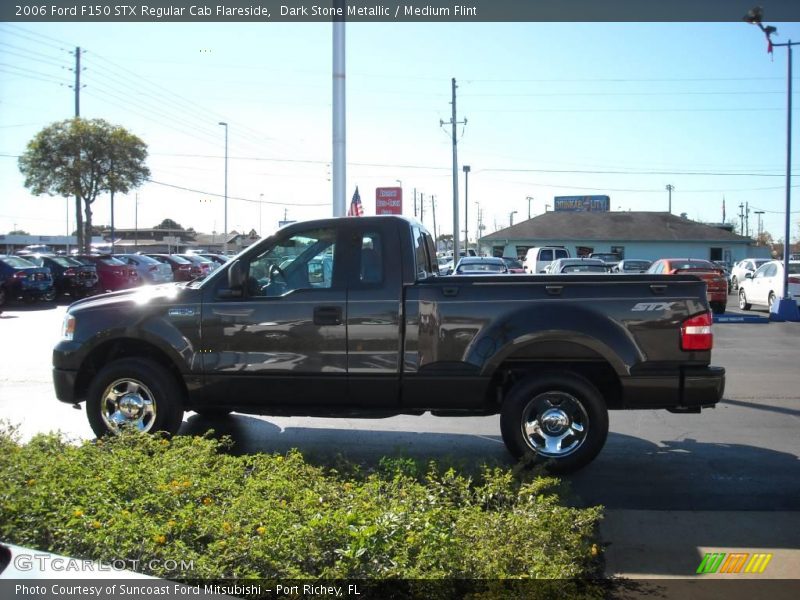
pixel 511 218
pixel 747 218
pixel 741 219
pixel 433 208
pixel 670 187
pixel 466 207
pixel 422 207
pixel 78 218
pixel 415 203
pixel 453 122
pixel 529 199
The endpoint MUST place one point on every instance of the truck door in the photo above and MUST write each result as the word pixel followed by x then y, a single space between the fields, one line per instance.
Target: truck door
pixel 374 315
pixel 285 340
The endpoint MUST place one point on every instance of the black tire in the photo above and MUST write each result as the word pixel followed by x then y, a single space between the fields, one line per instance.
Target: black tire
pixel 576 411
pixel 718 308
pixel 743 303
pixel 734 284
pixel 2 295
pixel 771 299
pixel 152 399
pixel 50 296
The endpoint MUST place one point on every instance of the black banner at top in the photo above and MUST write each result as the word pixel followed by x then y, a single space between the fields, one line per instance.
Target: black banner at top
pixel 201 11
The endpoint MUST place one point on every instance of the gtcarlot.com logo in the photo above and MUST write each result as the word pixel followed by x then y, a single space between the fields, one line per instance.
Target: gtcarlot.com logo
pixel 734 562
pixel 47 562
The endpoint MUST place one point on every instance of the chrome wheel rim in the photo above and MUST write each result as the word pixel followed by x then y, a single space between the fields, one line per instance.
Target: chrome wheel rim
pixel 128 403
pixel 555 424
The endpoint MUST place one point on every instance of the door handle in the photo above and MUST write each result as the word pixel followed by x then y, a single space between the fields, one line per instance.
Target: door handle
pixel 554 290
pixel 450 291
pixel 327 315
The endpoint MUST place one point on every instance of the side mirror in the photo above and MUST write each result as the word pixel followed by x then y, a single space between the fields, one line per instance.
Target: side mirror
pixel 748 275
pixel 235 281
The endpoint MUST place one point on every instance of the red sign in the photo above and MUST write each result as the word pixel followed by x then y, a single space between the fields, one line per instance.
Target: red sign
pixel 389 201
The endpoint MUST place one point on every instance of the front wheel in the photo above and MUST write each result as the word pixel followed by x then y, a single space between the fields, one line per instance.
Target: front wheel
pixel 559 418
pixel 771 301
pixel 134 393
pixel 743 303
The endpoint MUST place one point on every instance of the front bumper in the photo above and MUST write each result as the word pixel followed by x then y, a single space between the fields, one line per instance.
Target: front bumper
pixel 64 383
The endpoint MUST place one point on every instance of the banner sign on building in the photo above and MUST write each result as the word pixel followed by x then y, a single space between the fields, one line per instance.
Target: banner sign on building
pixel 582 203
pixel 389 201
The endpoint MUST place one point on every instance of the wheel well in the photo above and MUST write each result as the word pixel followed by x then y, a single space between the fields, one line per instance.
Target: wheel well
pixel 122 348
pixel 599 372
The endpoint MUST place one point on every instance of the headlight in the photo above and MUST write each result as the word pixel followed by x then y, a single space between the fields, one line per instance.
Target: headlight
pixel 68 327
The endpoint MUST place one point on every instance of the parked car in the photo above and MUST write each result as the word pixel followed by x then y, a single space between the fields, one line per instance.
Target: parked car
pixel 766 285
pixel 585 266
pixel 446 268
pixel 742 268
pixel 610 259
pixel 20 278
pixel 149 269
pixel 217 258
pixel 536 259
pixel 481 265
pixel 114 275
pixel 201 267
pixel 717 285
pixel 514 265
pixel 181 268
pixel 70 276
pixel 631 265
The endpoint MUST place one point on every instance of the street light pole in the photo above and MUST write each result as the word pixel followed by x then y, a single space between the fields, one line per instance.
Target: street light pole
pixel 260 202
pixel 466 169
pixel 759 213
pixel 787 307
pixel 225 233
pixel 529 199
pixel 511 218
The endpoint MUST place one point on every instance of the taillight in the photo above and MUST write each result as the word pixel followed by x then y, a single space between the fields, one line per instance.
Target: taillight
pixel 794 279
pixel 696 333
pixel 21 275
pixel 69 273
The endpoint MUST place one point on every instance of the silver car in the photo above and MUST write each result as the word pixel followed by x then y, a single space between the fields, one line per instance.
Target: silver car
pixel 149 269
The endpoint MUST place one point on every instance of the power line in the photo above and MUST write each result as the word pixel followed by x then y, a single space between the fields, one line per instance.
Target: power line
pixel 251 200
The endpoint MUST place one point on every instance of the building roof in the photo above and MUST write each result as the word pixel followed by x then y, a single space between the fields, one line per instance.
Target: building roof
pixel 612 226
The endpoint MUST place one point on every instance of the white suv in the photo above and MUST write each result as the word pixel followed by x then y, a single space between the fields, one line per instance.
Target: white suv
pixel 538 258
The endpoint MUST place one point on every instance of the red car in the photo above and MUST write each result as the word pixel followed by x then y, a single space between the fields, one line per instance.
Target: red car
pixel 114 275
pixel 181 268
pixel 713 275
pixel 513 264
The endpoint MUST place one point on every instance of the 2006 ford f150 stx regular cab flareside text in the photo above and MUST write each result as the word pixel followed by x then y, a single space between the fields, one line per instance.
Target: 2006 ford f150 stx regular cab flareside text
pixel 348 317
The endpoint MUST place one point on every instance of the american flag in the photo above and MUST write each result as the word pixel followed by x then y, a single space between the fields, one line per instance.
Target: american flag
pixel 356 210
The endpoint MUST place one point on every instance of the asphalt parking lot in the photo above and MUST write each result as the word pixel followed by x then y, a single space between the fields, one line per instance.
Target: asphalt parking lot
pixel 674 486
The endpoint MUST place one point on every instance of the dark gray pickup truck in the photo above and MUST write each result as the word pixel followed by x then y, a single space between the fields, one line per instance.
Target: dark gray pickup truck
pixel 349 318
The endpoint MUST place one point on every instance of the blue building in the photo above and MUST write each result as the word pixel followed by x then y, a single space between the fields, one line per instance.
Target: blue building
pixel 648 235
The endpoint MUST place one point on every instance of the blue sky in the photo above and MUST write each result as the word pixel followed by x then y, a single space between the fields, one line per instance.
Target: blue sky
pixel 552 110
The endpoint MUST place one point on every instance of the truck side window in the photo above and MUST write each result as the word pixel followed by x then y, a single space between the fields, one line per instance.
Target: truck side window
pixel 423 261
pixel 371 258
pixel 302 261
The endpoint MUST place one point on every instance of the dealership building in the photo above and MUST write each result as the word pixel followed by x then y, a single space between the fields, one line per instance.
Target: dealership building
pixel 646 235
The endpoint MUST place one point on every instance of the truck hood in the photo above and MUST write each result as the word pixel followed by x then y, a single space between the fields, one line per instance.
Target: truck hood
pixel 155 295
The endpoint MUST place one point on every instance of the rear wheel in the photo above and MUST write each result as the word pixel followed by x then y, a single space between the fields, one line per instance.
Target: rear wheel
pixel 734 284
pixel 559 419
pixel 743 303
pixel 134 393
pixel 718 308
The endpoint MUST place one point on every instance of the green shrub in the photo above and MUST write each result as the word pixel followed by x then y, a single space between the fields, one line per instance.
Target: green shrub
pixel 137 498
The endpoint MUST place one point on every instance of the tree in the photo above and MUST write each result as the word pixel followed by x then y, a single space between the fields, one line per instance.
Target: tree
pixel 84 158
pixel 18 232
pixel 168 224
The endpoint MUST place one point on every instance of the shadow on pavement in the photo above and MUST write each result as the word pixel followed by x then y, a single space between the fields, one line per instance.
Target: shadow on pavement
pixel 630 473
